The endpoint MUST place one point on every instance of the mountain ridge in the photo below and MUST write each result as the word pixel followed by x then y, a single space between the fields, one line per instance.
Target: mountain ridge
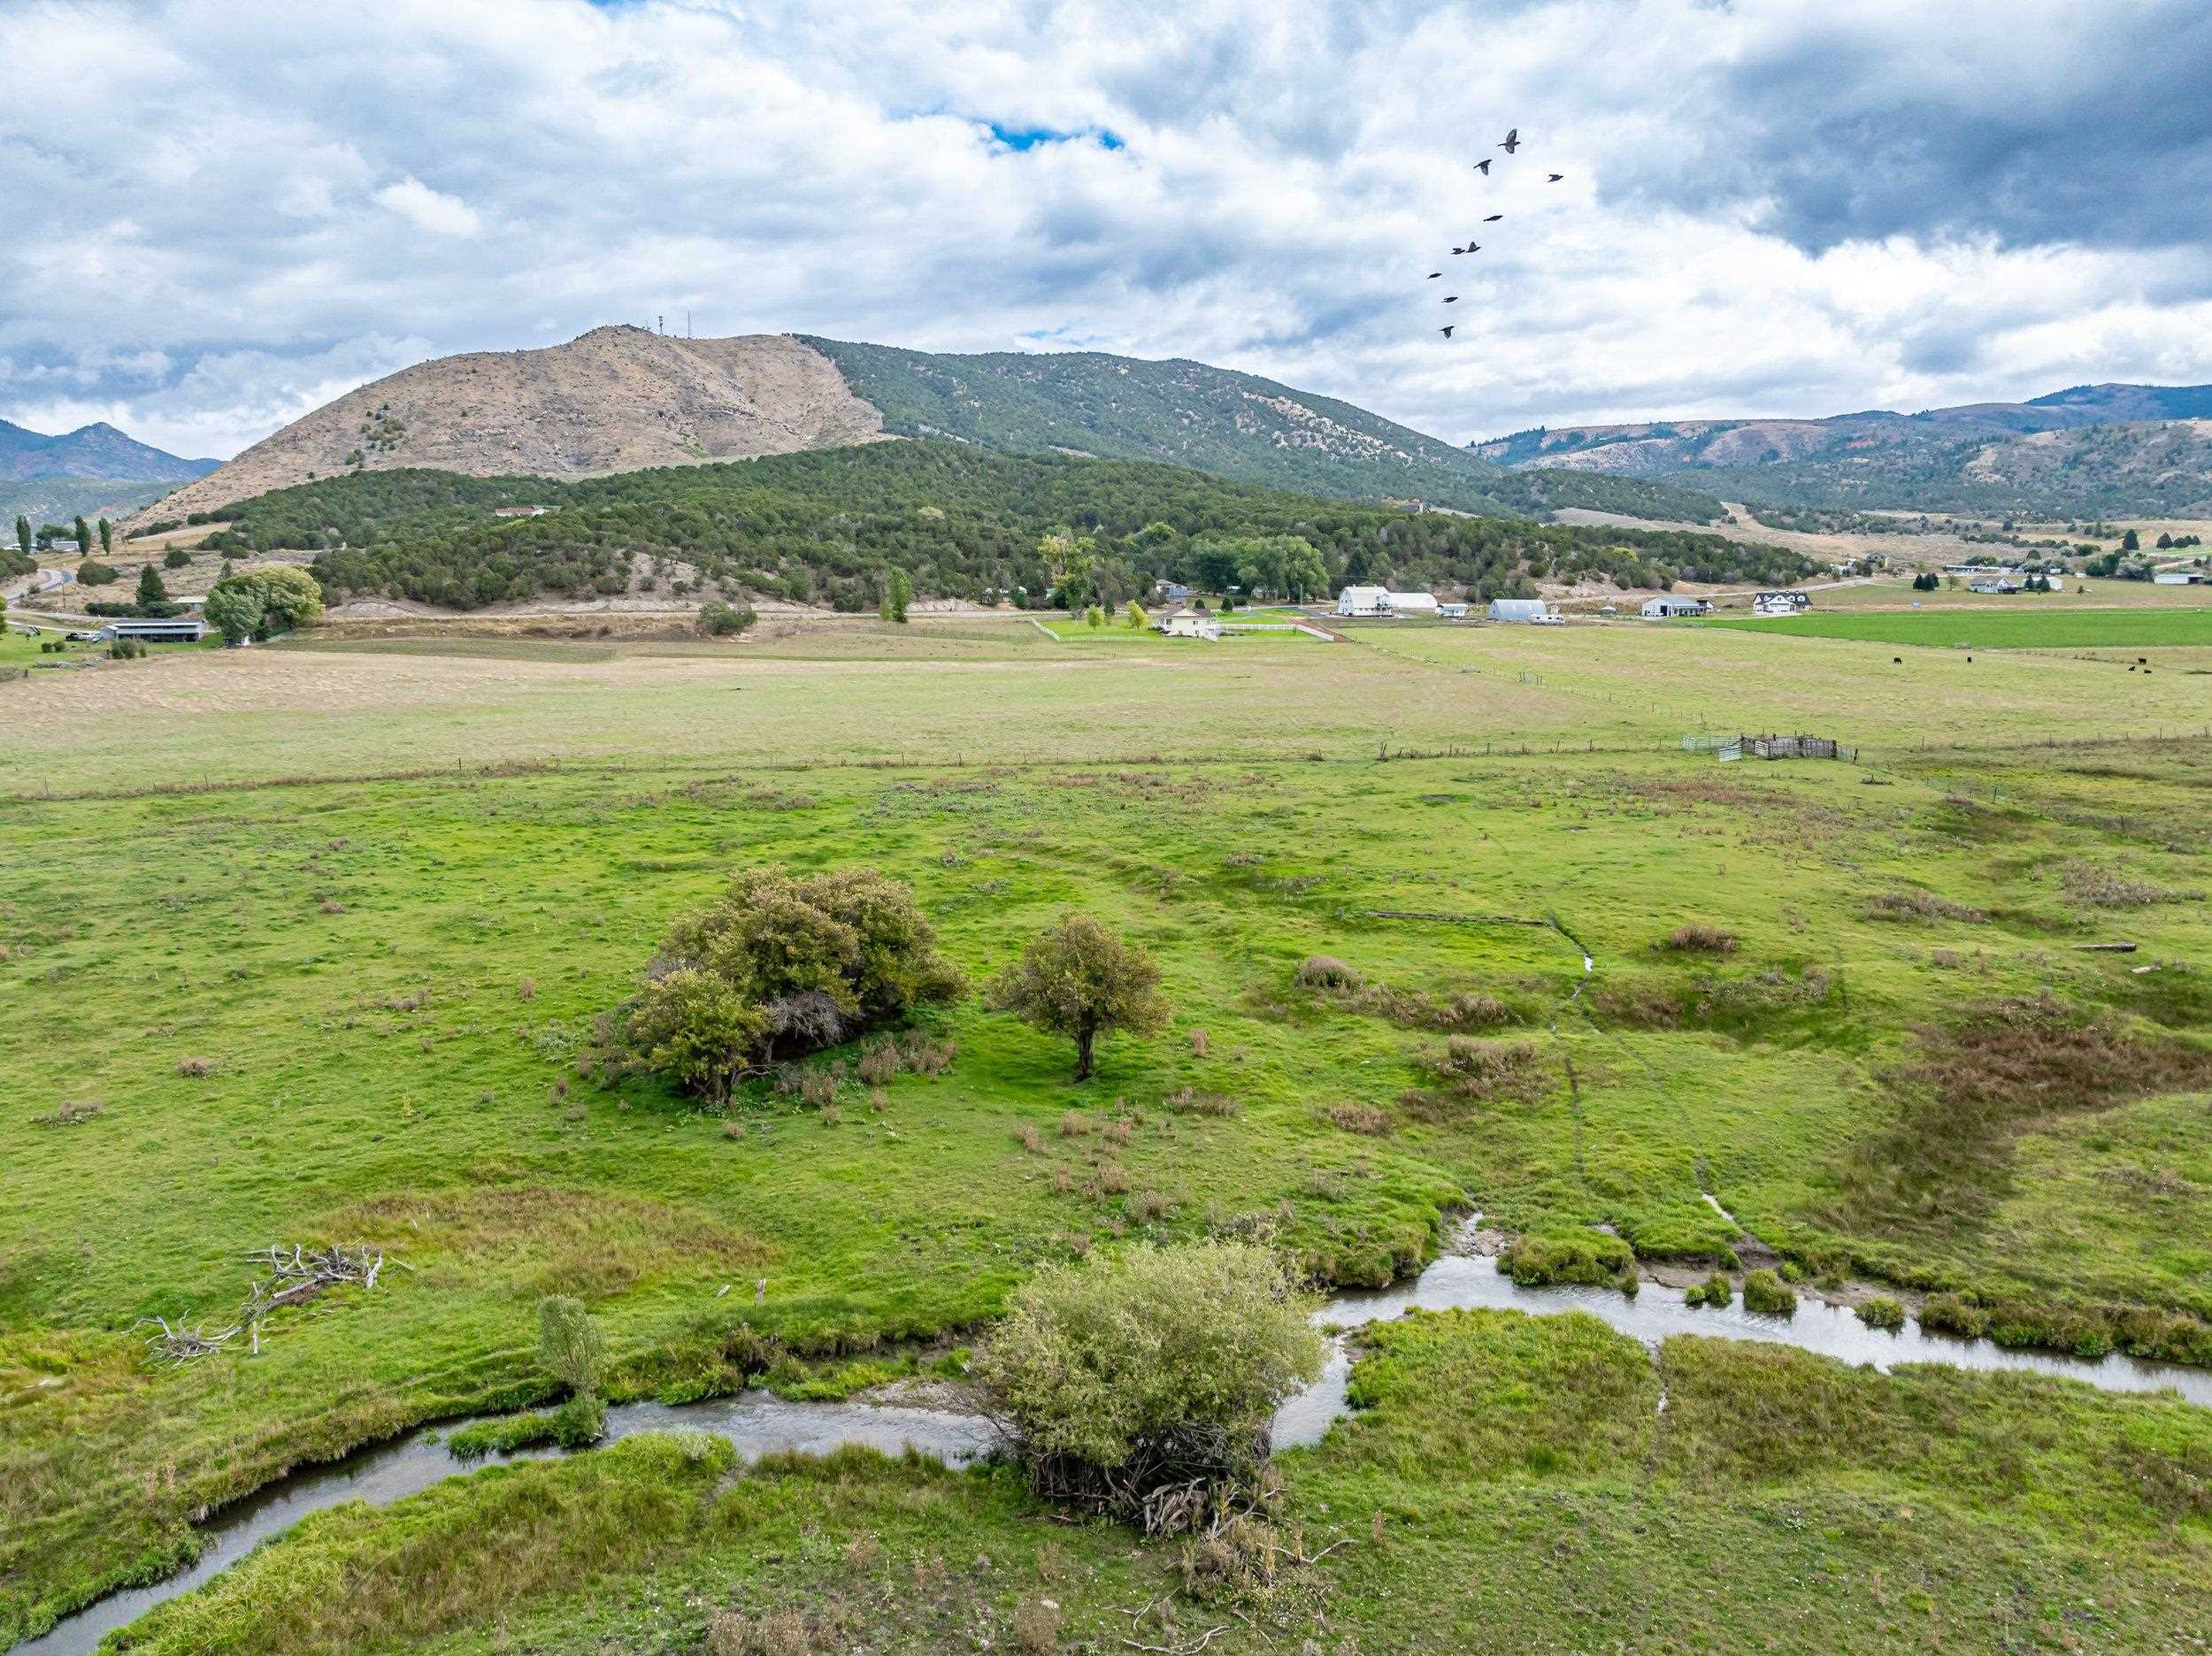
pixel 2106 448
pixel 620 399
pixel 95 451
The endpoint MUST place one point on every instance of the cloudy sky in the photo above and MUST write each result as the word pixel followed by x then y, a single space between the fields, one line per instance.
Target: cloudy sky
pixel 224 212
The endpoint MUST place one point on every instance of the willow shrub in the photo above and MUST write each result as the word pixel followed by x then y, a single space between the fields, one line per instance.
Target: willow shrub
pixel 1157 1370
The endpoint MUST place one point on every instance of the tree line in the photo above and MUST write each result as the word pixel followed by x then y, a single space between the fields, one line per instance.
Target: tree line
pixel 830 526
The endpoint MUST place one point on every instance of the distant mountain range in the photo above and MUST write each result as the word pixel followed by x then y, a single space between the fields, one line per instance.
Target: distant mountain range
pixel 621 399
pixel 2106 450
pixel 90 451
pixel 94 471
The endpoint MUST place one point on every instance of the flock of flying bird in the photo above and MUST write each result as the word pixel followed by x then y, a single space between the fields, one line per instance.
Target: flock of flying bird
pixel 1511 144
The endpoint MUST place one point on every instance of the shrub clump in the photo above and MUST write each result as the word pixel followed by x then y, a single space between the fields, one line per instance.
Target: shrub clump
pixel 1593 1258
pixel 1701 940
pixel 2091 887
pixel 1715 1290
pixel 1763 1290
pixel 1912 905
pixel 1953 1314
pixel 1125 1385
pixel 1478 1069
pixel 1326 971
pixel 781 967
pixel 1884 1313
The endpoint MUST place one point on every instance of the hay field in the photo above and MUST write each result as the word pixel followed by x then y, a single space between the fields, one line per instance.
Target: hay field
pixel 981 691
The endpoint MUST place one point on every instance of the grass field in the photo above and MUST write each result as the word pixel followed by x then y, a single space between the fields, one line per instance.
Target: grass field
pixel 2022 628
pixel 390 981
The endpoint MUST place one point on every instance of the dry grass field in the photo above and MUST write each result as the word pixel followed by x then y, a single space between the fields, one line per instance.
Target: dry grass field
pixel 990 690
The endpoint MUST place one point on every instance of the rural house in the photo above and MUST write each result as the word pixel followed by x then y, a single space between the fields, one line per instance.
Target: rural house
pixel 1191 623
pixel 1664 609
pixel 1379 600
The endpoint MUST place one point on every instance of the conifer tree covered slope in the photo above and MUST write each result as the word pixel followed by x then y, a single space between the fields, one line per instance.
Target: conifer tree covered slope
pixel 622 399
pixel 827 525
pixel 1213 419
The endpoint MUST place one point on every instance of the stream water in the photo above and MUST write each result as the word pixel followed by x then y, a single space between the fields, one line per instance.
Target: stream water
pixel 759 1424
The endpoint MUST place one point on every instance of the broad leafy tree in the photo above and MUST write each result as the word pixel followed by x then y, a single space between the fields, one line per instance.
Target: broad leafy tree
pixel 1079 980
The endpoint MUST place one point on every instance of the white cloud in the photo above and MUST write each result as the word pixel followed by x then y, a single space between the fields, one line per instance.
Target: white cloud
pixel 222 248
pixel 430 209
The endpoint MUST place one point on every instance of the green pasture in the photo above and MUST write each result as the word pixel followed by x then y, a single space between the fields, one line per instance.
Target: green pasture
pixel 391 983
pixel 1507 1483
pixel 2028 626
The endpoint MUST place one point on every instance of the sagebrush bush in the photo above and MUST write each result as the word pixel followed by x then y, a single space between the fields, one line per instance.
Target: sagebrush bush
pixel 1118 1378
pixel 1920 905
pixel 1360 1118
pixel 1702 939
pixel 1479 1068
pixel 1326 971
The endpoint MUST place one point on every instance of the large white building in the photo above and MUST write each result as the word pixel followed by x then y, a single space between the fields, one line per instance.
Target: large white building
pixel 1379 600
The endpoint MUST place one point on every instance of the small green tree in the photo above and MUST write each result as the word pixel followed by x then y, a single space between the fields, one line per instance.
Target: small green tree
pixel 1137 618
pixel 717 619
pixel 92 573
pixel 1161 1366
pixel 107 538
pixel 2130 543
pixel 1094 617
pixel 234 608
pixel 153 596
pixel 1078 979
pixel 175 558
pixel 898 591
pixel 83 534
pixel 23 535
pixel 570 1346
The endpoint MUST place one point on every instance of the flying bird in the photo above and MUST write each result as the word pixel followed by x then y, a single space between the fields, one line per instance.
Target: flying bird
pixel 1554 178
pixel 1493 217
pixel 1451 299
pixel 1448 328
pixel 1434 274
pixel 1483 167
pixel 1512 141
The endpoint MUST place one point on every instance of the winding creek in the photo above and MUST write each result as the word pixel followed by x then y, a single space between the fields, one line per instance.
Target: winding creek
pixel 758 1423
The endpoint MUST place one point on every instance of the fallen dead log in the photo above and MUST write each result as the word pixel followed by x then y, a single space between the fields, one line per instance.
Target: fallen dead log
pixel 2106 948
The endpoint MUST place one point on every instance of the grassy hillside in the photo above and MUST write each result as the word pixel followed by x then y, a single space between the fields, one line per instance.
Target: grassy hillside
pixel 827 525
pixel 1233 424
pixel 60 500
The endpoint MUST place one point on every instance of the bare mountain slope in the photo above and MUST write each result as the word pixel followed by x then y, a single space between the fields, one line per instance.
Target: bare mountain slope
pixel 618 399
pixel 622 399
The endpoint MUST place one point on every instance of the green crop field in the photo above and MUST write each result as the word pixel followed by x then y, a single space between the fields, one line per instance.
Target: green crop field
pixel 2026 627
pixel 306 944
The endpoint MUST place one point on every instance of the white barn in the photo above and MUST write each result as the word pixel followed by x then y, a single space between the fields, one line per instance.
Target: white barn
pixel 1662 609
pixel 1380 600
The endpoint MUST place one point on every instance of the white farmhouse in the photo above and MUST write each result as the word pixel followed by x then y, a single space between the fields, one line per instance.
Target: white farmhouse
pixel 1192 624
pixel 1379 600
